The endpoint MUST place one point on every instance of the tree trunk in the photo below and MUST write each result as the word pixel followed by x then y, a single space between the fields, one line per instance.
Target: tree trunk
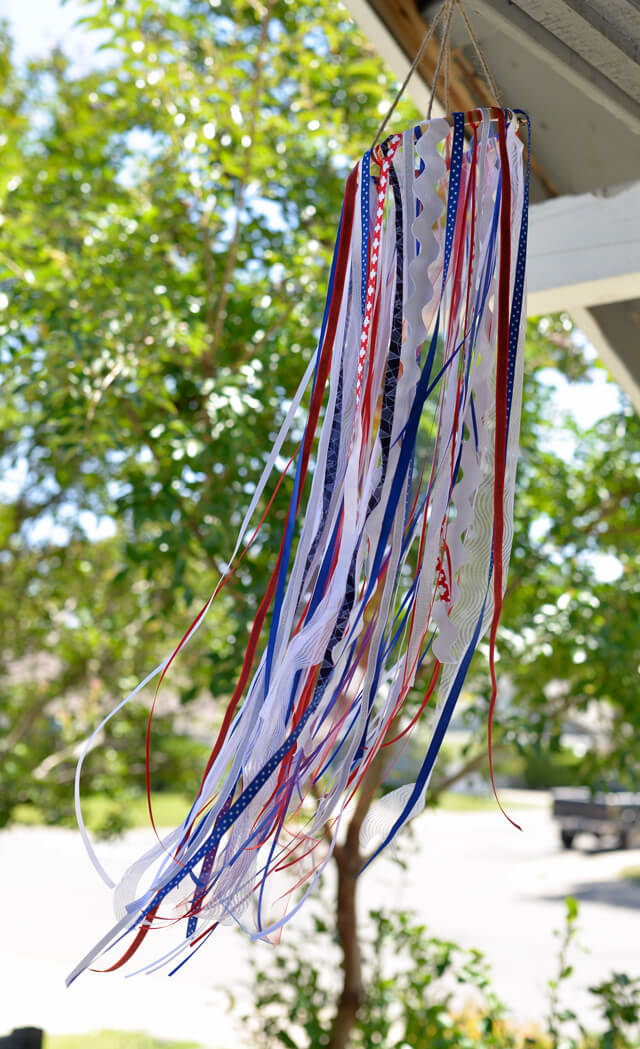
pixel 348 861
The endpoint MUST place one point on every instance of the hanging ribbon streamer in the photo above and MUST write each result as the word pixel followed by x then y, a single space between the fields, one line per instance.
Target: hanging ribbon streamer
pixel 400 555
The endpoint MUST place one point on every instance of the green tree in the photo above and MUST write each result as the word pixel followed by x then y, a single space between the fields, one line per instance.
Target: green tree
pixel 567 642
pixel 167 219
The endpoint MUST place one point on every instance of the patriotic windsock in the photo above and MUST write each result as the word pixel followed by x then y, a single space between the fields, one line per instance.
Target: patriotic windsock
pixel 396 557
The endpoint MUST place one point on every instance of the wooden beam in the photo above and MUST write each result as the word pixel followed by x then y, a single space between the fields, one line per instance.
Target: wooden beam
pixel 584 253
pixel 396 30
pixel 624 372
pixel 395 26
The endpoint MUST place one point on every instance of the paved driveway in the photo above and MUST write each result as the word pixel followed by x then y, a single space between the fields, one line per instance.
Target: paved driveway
pixel 478 881
pixel 472 878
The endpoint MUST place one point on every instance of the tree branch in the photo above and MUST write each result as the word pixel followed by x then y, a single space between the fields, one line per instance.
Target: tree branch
pixel 209 362
pixel 191 524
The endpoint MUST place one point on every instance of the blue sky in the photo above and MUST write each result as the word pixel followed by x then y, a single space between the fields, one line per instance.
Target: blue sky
pixel 37 25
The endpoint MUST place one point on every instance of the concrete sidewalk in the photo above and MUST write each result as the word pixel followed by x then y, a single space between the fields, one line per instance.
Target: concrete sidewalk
pixel 471 878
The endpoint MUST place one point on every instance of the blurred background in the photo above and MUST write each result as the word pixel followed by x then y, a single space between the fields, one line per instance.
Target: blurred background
pixel 171 177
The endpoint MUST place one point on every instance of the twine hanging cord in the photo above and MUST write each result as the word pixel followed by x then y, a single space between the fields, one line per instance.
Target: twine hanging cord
pixel 444 12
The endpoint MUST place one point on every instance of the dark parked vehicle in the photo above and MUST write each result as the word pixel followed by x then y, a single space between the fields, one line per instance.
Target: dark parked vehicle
pixel 23 1038
pixel 611 815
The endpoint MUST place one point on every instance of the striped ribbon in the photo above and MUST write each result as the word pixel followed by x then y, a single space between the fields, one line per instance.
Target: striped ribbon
pixel 395 550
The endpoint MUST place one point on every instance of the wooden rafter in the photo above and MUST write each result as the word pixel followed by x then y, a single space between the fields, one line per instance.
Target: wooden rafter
pixel 467 89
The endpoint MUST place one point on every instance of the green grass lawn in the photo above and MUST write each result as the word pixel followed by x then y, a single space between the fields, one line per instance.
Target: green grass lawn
pixel 113 1040
pixel 99 810
pixel 631 874
pixel 450 801
pixel 101 813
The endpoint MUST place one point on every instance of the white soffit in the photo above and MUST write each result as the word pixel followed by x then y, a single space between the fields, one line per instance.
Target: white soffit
pixel 584 251
pixel 578 64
